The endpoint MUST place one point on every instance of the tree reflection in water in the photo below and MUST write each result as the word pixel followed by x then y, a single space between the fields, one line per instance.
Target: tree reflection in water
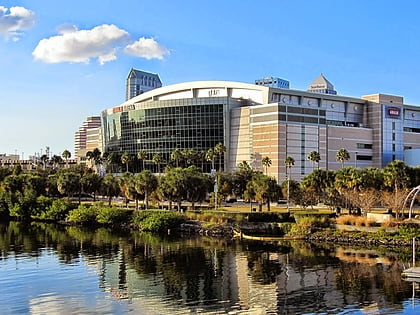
pixel 208 274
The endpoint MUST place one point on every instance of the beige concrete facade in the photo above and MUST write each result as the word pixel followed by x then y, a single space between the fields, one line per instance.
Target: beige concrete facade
pixel 261 121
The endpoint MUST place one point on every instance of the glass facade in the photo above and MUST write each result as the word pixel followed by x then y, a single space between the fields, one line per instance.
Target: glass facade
pixel 163 126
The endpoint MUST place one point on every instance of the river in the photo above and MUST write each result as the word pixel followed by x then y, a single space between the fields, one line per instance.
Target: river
pixel 53 269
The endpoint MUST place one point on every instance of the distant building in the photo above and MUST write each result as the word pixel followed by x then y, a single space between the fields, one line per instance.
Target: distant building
pixel 273 82
pixel 139 81
pixel 322 85
pixel 90 125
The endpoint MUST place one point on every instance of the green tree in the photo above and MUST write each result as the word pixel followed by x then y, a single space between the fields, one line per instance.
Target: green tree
pixel 397 179
pixel 145 184
pixel 198 185
pixel 112 159
pixel 125 159
pixel 348 178
pixel 66 155
pixel 289 162
pixel 319 183
pixel 68 183
pixel 342 156
pixel 264 189
pixel 189 157
pixel 210 156
pixel 241 177
pixel 91 184
pixel 95 157
pixel 142 155
pixel 44 160
pixel 220 150
pixel 266 163
pixel 56 160
pixel 314 157
pixel 110 187
pixel 128 188
pixel 157 159
pixel 176 156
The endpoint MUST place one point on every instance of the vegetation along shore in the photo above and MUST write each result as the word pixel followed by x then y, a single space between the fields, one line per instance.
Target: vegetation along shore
pixel 185 199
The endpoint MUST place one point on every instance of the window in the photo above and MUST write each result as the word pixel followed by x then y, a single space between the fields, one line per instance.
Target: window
pixel 364 157
pixel 364 146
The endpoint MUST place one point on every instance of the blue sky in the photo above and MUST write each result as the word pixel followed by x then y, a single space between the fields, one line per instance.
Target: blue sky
pixel 61 61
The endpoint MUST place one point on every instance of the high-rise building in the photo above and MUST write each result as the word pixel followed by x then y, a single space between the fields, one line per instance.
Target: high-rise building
pixel 139 81
pixel 81 137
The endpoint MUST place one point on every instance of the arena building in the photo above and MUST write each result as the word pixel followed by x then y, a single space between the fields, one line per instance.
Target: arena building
pixel 258 120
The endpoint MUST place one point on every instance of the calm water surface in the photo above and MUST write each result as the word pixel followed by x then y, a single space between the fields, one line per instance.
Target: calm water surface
pixel 49 269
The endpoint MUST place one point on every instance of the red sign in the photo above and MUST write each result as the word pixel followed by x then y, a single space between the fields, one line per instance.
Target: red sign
pixel 394 112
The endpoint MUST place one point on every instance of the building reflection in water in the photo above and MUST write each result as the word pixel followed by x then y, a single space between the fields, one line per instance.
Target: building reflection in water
pixel 207 275
pixel 278 279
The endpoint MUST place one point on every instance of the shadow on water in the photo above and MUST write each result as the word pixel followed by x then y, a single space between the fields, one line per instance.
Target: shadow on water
pixel 211 275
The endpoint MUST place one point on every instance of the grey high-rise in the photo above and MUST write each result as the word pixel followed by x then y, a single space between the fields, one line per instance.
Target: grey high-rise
pixel 139 81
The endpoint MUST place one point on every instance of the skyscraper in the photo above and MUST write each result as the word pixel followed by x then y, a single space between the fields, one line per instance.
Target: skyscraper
pixel 80 136
pixel 139 81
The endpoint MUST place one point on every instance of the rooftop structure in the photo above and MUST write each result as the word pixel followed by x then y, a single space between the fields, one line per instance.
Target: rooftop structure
pixel 322 85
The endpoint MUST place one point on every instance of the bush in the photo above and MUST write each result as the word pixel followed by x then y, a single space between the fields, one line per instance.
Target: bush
pixel 408 231
pixel 157 221
pixel 82 215
pixel 58 210
pixel 363 221
pixel 268 217
pixel 113 215
pixel 306 224
pixel 42 204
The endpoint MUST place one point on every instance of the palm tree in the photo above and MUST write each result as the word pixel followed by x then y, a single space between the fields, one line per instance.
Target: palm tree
pixel 44 159
pixel 210 157
pixel 342 156
pixel 289 162
pixel 145 183
pixel 266 162
pixel 125 159
pixel 219 150
pixel 56 160
pixel 157 159
pixel 95 157
pixel 314 157
pixel 176 156
pixel 142 155
pixel 66 155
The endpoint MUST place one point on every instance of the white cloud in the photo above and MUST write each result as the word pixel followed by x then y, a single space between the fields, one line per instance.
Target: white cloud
pixel 146 48
pixel 15 20
pixel 75 46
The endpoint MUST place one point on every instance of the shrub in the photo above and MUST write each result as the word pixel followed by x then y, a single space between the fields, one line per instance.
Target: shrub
pixel 82 215
pixel 4 208
pixel 346 220
pixel 286 227
pixel 42 204
pixel 306 224
pixel 112 215
pixel 58 210
pixel 24 204
pixel 157 221
pixel 268 217
pixel 408 231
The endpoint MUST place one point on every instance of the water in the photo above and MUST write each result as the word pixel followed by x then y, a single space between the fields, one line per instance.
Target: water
pixel 49 269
